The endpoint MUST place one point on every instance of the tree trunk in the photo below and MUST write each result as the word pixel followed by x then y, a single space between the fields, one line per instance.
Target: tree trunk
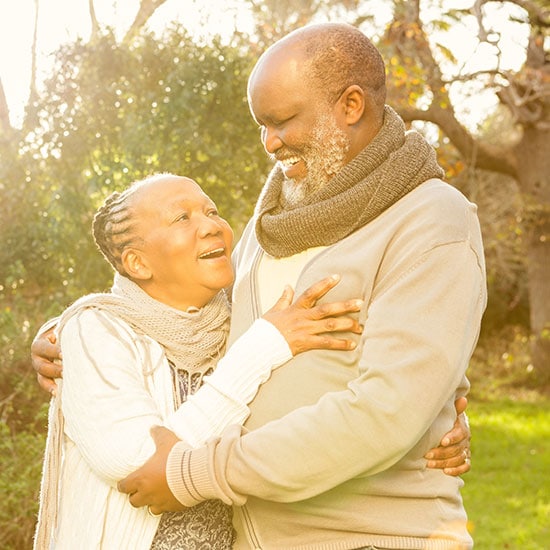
pixel 534 180
pixel 5 126
pixel 527 95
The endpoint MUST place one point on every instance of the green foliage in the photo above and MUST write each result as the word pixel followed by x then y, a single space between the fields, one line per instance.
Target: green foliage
pixel 22 420
pixel 20 471
pixel 110 114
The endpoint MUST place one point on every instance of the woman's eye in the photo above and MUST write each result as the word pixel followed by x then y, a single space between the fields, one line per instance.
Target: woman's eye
pixel 183 217
pixel 213 212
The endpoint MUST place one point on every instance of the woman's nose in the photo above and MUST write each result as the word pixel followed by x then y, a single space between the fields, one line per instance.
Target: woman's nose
pixel 209 225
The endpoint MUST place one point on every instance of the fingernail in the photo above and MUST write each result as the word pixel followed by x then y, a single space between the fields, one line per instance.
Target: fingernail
pixel 431 464
pixel 359 303
pixel 335 277
pixel 429 455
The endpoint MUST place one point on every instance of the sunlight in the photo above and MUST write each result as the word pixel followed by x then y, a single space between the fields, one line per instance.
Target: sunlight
pixel 65 20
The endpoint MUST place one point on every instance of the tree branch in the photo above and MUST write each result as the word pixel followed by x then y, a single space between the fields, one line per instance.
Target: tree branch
pixel 146 10
pixel 412 41
pixel 538 15
pixel 32 92
pixel 93 18
pixel 477 153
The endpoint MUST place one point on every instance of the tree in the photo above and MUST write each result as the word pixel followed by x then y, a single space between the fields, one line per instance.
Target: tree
pixel 420 92
pixel 110 113
pixel 526 94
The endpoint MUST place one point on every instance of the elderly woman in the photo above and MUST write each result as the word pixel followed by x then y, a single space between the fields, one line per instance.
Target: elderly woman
pixel 134 358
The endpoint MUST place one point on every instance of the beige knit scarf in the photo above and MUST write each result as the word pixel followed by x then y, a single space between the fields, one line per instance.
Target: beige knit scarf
pixel 394 163
pixel 192 341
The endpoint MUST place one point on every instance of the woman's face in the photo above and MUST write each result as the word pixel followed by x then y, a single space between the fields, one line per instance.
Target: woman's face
pixel 186 245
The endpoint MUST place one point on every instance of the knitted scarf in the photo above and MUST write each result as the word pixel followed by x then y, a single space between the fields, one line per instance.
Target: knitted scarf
pixel 193 342
pixel 391 165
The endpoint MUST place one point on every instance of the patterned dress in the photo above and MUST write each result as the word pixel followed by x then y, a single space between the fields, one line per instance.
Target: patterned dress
pixel 206 526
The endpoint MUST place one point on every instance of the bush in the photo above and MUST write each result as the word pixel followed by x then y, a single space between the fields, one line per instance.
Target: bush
pixel 20 471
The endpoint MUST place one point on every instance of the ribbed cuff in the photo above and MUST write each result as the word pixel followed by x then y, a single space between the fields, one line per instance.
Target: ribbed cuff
pixel 187 474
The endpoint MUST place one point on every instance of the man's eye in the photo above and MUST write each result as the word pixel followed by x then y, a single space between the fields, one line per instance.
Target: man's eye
pixel 182 217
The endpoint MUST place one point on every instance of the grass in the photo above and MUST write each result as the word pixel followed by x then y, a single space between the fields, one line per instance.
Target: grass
pixel 507 492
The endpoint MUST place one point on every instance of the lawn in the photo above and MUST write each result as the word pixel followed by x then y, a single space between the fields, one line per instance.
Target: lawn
pixel 507 493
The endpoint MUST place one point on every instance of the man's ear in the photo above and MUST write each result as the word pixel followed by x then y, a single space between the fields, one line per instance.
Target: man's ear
pixel 135 264
pixel 353 104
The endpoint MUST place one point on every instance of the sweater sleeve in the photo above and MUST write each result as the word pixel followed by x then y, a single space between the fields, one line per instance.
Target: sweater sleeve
pixel 222 399
pixel 109 410
pixel 106 406
pixel 412 360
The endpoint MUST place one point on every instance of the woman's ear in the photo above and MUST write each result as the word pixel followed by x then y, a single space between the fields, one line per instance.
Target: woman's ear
pixel 135 264
pixel 353 103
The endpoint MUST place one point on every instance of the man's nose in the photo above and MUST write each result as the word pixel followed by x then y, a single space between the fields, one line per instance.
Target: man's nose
pixel 272 140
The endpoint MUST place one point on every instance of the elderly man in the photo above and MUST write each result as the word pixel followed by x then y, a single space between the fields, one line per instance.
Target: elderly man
pixel 332 456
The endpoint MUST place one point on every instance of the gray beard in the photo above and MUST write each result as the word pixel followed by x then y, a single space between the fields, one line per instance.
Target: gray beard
pixel 324 158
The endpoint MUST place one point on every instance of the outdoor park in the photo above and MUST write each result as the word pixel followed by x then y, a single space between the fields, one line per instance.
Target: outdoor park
pixel 161 87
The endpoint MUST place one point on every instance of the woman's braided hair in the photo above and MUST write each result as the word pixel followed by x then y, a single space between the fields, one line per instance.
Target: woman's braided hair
pixel 114 225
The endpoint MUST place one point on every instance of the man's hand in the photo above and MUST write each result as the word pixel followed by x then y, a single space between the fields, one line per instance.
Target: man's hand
pixel 44 351
pixel 148 486
pixel 453 454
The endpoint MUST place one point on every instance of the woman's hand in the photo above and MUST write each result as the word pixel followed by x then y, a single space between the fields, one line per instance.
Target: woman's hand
pixel 306 325
pixel 44 351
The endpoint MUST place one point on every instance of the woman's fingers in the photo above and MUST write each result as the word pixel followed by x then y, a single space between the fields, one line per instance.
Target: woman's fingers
pixel 307 325
pixel 309 297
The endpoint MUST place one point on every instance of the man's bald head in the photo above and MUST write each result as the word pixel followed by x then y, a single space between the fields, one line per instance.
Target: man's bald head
pixel 333 56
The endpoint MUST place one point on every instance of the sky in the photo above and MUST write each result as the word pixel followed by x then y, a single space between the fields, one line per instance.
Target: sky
pixel 64 20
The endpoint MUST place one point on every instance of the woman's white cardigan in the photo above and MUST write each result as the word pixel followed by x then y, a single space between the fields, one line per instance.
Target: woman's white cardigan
pixel 109 405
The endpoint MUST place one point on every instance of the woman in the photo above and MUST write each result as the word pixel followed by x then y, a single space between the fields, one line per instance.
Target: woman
pixel 133 356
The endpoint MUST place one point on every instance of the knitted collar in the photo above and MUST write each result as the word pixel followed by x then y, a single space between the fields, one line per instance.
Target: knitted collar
pixel 392 164
pixel 192 341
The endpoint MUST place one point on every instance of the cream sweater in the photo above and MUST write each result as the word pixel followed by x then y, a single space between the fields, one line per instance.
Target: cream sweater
pixel 334 458
pixel 108 414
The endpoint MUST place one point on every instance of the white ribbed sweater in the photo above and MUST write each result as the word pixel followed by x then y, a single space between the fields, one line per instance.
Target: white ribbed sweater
pixel 108 416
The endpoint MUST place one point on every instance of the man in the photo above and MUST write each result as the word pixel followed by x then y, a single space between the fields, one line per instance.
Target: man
pixel 332 456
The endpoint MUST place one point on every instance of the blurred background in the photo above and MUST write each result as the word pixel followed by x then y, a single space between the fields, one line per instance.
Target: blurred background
pixel 96 94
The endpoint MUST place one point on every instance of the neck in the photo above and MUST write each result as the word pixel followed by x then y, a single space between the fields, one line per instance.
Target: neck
pixel 172 298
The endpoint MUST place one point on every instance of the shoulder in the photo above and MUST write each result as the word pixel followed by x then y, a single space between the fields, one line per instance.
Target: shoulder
pixel 437 199
pixel 435 212
pixel 88 321
pixel 97 327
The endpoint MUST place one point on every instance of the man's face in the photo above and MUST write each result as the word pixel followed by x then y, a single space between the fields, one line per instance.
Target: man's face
pixel 323 154
pixel 298 126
